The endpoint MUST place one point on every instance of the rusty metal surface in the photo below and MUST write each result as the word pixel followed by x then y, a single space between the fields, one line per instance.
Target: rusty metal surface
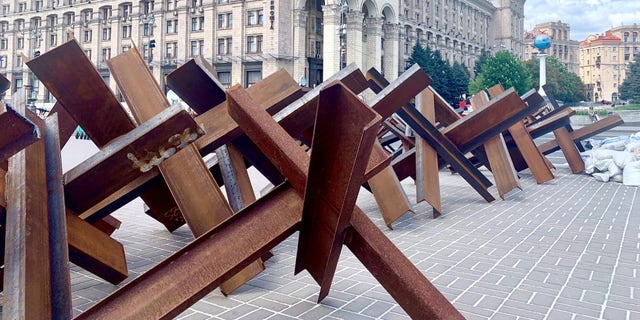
pixel 236 178
pixel 61 305
pixel 189 274
pixel 447 150
pixel 128 157
pixel 400 91
pixel 193 187
pixel 27 283
pixel 196 83
pixel 411 289
pixel 17 132
pixel 82 91
pixel 427 177
pixel 345 130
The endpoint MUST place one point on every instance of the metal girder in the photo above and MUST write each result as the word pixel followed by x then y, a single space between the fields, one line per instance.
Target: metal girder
pixel 394 271
pixel 17 132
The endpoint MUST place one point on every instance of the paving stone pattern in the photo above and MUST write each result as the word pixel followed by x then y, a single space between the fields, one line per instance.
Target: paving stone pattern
pixel 567 249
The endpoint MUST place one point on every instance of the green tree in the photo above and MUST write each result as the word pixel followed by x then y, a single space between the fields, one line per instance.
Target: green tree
pixel 563 84
pixel 630 88
pixel 450 82
pixel 505 69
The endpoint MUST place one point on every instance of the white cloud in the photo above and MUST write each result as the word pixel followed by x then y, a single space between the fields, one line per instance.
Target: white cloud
pixel 584 17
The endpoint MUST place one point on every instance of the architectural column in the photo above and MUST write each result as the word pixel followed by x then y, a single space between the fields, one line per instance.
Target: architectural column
pixel 373 46
pixel 331 40
pixel 354 38
pixel 300 46
pixel 391 50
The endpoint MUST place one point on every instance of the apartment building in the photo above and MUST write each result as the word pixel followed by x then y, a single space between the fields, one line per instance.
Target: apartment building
pixel 605 59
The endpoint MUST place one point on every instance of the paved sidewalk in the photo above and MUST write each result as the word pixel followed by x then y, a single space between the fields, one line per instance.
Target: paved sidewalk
pixel 567 249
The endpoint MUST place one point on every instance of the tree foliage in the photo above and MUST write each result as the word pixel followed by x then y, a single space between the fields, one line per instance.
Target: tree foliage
pixel 630 88
pixel 505 69
pixel 563 84
pixel 449 81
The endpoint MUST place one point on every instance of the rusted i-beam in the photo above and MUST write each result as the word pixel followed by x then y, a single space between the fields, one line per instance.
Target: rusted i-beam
pixel 417 296
pixel 193 187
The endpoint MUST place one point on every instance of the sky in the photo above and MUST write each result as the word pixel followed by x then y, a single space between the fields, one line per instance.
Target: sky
pixel 584 17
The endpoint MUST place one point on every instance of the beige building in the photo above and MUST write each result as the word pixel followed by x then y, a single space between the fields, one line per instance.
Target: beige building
pixel 247 40
pixel 562 47
pixel 605 59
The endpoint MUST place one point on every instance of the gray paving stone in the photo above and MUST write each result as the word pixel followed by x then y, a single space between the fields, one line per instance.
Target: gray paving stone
pixel 551 251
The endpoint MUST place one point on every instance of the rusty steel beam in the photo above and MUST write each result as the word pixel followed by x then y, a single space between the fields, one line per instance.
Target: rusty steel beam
pixel 82 91
pixel 193 187
pixel 170 287
pixel 427 177
pixel 85 96
pixel 195 82
pixel 17 132
pixel 27 282
pixel 61 306
pixel 127 158
pixel 416 295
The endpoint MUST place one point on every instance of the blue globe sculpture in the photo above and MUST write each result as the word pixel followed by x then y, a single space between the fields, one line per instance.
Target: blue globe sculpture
pixel 542 42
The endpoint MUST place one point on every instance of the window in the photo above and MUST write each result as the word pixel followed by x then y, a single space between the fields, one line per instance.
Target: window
pixel 147 30
pixel 3 61
pixel 4 26
pixel 106 34
pixel 22 7
pixel 252 76
pixel 225 79
pixel 319 26
pixel 197 23
pixel 105 13
pixel 171 50
pixel 106 54
pixel 197 48
pixel 86 15
pixel 69 18
pixel 634 37
pixel 126 48
pixel 19 24
pixel 224 46
pixel 88 53
pixel 3 44
pixel 171 4
pixel 172 26
pixel 53 39
pixel 87 36
pixel 20 43
pixel 126 32
pixel 52 20
pixel 626 36
pixel 126 9
pixel 5 9
pixel 225 20
pixel 196 3
pixel 147 7
pixel 254 44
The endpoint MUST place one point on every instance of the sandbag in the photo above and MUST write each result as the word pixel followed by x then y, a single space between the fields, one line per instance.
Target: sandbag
pixel 631 174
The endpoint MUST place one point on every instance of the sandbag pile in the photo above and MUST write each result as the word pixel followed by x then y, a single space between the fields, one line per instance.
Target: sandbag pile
pixel 615 159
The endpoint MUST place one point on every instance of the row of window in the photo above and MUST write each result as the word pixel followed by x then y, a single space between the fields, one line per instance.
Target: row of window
pixel 225 47
pixel 225 21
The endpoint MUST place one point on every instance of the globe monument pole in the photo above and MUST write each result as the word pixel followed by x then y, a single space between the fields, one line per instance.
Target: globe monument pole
pixel 542 42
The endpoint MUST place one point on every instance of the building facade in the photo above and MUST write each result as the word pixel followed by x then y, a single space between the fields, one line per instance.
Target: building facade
pixel 562 47
pixel 248 39
pixel 605 59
